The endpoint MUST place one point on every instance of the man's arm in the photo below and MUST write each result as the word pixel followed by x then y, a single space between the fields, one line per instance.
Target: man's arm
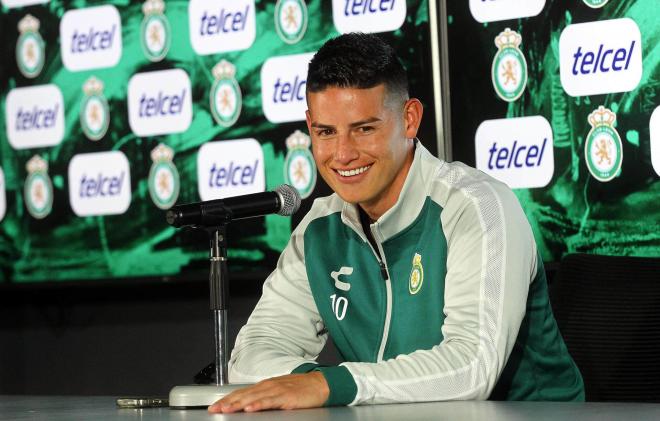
pixel 282 332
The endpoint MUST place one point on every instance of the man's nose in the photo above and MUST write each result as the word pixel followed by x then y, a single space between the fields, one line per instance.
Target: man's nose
pixel 346 150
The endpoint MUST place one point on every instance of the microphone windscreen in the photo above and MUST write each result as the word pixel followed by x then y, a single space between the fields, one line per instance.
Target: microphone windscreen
pixel 289 198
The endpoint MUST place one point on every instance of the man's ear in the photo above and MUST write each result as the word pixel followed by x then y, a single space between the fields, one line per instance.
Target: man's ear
pixel 412 115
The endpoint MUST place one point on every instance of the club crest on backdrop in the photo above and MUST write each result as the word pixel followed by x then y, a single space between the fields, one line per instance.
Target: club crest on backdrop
pixel 94 110
pixel 38 190
pixel 509 69
pixel 299 165
pixel 163 182
pixel 603 150
pixel 595 4
pixel 30 47
pixel 155 33
pixel 291 20
pixel 225 97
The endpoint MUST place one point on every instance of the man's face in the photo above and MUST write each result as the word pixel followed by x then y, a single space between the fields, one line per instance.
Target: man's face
pixel 361 140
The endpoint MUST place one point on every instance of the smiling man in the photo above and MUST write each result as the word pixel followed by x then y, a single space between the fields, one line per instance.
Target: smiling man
pixel 424 273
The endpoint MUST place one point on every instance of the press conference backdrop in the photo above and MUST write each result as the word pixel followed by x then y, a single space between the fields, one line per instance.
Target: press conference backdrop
pixel 560 100
pixel 114 111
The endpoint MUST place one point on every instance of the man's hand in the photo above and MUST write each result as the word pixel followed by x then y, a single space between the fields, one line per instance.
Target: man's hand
pixel 309 390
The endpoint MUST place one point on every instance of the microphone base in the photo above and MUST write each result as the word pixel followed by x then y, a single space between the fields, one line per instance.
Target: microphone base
pixel 200 395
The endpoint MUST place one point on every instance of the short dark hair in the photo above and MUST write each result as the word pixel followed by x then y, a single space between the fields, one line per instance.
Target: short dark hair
pixel 357 60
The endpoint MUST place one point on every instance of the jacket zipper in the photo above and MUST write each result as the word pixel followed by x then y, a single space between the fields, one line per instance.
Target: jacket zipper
pixel 388 290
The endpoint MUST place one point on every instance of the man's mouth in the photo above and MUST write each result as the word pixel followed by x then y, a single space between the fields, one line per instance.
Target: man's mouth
pixel 353 172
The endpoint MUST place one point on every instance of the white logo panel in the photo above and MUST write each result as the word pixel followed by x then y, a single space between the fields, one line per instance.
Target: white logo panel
pixel 654 130
pixel 35 116
pixel 368 15
pixel 222 25
pixel 495 10
pixel 91 38
pixel 3 195
pixel 516 151
pixel 229 168
pixel 159 102
pixel 20 3
pixel 283 82
pixel 99 183
pixel 600 57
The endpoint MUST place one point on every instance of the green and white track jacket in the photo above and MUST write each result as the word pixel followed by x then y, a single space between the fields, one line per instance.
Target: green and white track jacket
pixel 453 304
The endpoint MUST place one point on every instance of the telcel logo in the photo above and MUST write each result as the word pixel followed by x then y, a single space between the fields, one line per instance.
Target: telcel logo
pixel 20 3
pixel 654 131
pixel 516 151
pixel 3 196
pixel 283 81
pixel 99 183
pixel 159 102
pixel 91 38
pixel 600 57
pixel 493 10
pixel 35 116
pixel 368 15
pixel 229 168
pixel 221 25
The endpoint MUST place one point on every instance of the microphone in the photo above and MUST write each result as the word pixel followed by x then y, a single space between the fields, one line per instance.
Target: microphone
pixel 285 201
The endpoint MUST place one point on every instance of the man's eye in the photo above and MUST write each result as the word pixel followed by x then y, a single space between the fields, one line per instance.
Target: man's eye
pixel 324 132
pixel 365 129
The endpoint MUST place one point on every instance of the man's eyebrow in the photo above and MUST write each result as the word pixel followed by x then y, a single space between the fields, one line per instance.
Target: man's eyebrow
pixel 352 125
pixel 366 121
pixel 321 126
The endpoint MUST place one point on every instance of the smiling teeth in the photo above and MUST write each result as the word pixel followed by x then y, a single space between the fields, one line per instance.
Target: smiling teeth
pixel 356 171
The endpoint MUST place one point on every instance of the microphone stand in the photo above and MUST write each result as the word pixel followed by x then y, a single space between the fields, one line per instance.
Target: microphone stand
pixel 204 395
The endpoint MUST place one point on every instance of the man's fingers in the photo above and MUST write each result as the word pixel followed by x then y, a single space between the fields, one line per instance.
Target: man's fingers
pixel 239 399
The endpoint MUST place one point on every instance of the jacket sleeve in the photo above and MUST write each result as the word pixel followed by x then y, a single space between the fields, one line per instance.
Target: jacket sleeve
pixel 491 261
pixel 282 332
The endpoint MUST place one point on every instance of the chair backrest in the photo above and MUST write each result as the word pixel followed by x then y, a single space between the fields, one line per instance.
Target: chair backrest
pixel 608 311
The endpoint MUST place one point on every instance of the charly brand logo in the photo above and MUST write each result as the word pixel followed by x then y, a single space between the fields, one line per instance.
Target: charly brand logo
pixel 416 275
pixel 283 81
pixel 222 25
pixel 30 47
pixel 163 177
pixel 509 70
pixel 595 4
pixel 603 150
pixel 35 116
pixel 299 166
pixel 90 38
pixel 159 102
pixel 516 151
pixel 494 10
pixel 20 3
pixel 343 271
pixel 368 15
pixel 229 168
pixel 94 110
pixel 155 33
pixel 226 98
pixel 600 57
pixel 99 183
pixel 38 189
pixel 291 20
pixel 3 195
pixel 654 131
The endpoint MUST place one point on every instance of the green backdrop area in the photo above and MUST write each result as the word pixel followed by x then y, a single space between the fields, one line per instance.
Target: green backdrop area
pixel 574 212
pixel 138 243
